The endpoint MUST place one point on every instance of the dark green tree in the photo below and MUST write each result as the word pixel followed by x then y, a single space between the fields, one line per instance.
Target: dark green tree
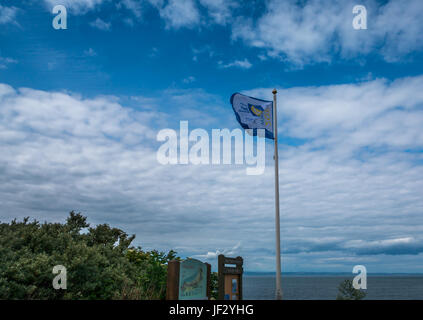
pixel 151 270
pixel 214 285
pixel 99 261
pixel 346 291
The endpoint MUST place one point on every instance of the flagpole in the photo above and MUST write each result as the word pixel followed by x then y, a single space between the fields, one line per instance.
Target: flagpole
pixel 277 220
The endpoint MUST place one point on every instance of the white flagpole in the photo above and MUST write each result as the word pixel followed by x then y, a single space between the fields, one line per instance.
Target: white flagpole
pixel 277 220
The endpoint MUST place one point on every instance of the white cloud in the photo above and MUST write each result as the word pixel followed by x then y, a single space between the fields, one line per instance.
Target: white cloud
pixel 396 246
pixel 262 57
pixel 129 21
pixel 399 28
pixel 202 51
pixel 299 32
pixel 5 62
pixel 62 152
pixel 77 7
pixel 243 64
pixel 316 30
pixel 219 10
pixel 90 52
pixel 7 14
pixel 101 25
pixel 135 6
pixel 375 113
pixel 231 252
pixel 154 52
pixel 178 14
pixel 189 79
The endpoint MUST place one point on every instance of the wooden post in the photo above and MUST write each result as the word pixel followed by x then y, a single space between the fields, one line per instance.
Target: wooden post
pixel 231 272
pixel 240 278
pixel 221 265
pixel 208 281
pixel 172 292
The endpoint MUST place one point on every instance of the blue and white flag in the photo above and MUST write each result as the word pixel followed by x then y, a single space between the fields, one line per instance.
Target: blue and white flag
pixel 253 113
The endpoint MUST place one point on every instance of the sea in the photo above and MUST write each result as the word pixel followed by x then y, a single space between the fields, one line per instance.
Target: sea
pixel 325 286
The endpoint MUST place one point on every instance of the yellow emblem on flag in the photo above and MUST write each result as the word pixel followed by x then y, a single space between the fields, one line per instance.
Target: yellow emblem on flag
pixel 256 111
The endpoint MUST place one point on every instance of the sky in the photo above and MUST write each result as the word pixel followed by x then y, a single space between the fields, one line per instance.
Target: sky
pixel 80 110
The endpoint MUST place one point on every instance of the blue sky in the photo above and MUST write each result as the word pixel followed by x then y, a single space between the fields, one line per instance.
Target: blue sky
pixel 80 110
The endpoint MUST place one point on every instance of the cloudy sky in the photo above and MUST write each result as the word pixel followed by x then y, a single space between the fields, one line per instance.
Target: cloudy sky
pixel 80 110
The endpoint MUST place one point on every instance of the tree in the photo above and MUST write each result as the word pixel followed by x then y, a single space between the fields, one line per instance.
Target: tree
pixel 152 270
pixel 348 292
pixel 214 285
pixel 99 261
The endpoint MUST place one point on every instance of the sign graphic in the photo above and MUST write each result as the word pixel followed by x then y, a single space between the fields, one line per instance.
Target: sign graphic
pixel 192 280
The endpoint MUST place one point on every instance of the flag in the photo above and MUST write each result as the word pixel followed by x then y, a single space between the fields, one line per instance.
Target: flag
pixel 253 113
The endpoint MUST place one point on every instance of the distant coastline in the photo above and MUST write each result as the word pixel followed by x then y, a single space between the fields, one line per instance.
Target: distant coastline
pixel 324 285
pixel 269 273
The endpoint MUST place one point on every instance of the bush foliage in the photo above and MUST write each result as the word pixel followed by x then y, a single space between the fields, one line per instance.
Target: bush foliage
pixel 346 291
pixel 100 262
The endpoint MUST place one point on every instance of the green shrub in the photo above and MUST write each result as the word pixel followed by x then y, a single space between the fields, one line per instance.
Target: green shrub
pixel 214 285
pixel 100 263
pixel 348 292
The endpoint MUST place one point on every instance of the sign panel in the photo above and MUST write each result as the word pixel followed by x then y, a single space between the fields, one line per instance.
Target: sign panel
pixel 230 278
pixel 192 280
